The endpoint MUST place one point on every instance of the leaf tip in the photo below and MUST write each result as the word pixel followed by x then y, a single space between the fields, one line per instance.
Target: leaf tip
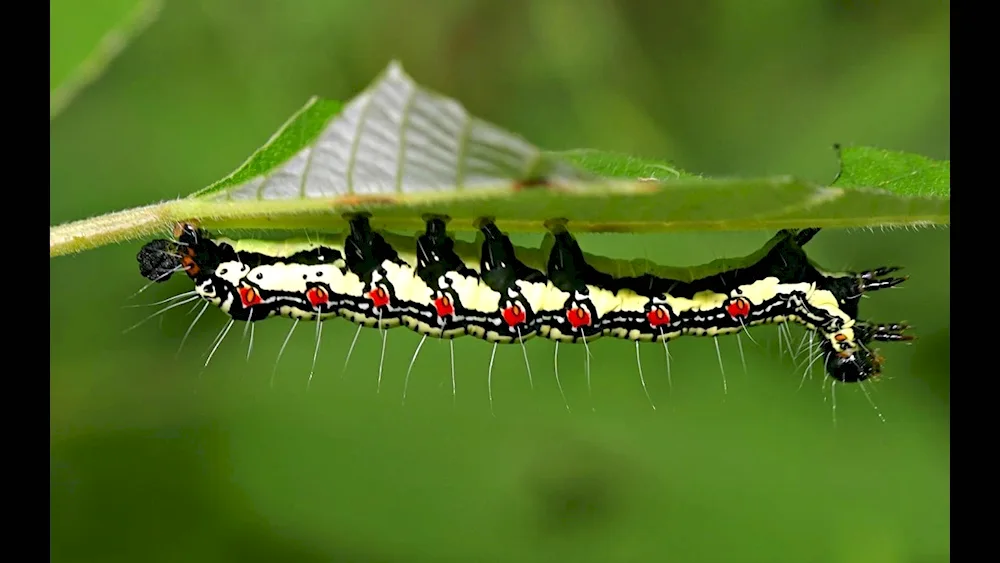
pixel 395 68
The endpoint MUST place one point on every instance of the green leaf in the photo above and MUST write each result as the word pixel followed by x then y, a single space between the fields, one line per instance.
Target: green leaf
pixel 399 151
pixel 394 140
pixel 300 130
pixel 84 37
pixel 899 172
pixel 615 165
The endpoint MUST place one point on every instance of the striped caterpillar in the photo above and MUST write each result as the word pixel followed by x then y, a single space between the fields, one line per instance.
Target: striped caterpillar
pixel 503 300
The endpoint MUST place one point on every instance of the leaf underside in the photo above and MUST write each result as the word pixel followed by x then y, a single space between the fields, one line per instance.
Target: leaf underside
pixel 399 151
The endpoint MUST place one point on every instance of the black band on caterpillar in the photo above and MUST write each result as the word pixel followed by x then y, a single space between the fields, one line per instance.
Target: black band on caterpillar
pixel 436 294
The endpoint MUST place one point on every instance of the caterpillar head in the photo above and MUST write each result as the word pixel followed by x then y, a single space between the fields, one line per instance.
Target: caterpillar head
pixel 191 251
pixel 848 356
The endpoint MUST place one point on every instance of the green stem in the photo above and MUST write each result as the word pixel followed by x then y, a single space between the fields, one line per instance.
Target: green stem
pixel 403 213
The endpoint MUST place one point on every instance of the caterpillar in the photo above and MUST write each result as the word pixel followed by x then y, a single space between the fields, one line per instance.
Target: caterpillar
pixel 504 300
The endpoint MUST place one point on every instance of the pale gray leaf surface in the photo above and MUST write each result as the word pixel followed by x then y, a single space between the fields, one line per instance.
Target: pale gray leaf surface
pixel 397 137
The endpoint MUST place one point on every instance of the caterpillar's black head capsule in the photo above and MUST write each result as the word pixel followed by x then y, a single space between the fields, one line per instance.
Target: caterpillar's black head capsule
pixel 158 260
pixel 191 252
pixel 852 361
pixel 852 365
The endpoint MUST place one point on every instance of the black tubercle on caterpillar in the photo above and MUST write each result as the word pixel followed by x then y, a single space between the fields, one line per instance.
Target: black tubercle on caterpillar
pixel 435 293
pixel 436 254
pixel 499 264
pixel 365 250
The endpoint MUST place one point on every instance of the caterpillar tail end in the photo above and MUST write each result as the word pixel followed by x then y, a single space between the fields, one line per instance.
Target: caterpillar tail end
pixel 890 332
pixel 874 280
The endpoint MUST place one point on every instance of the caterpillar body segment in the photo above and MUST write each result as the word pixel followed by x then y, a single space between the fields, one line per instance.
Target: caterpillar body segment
pixel 503 300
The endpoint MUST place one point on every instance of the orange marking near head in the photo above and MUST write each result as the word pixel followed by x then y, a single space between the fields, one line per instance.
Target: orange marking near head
pixel 190 266
pixel 187 261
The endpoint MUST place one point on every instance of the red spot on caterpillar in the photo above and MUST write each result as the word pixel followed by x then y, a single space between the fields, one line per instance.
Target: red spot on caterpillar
pixel 513 315
pixel 578 317
pixel 444 306
pixel 658 316
pixel 738 308
pixel 318 296
pixel 249 296
pixel 379 297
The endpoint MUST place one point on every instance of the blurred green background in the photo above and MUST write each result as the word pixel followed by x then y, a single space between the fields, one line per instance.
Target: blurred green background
pixel 155 459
